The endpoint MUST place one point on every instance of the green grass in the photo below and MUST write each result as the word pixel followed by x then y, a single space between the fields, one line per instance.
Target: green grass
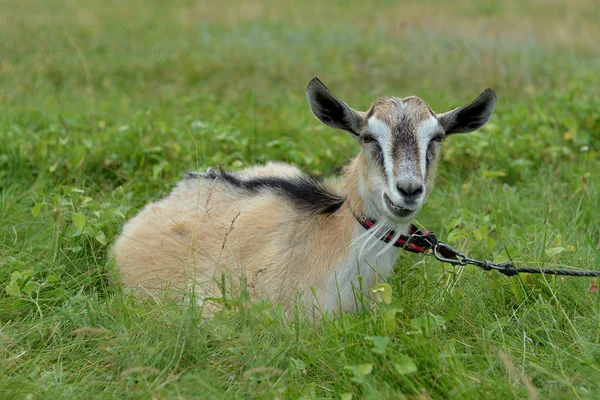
pixel 104 105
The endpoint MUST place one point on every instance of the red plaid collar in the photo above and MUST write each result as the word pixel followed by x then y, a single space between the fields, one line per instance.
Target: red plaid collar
pixel 417 241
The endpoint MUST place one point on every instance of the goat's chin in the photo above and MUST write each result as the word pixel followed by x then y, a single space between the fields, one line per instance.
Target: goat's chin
pixel 376 209
pixel 396 222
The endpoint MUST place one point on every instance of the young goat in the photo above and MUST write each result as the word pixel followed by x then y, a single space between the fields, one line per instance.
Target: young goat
pixel 285 232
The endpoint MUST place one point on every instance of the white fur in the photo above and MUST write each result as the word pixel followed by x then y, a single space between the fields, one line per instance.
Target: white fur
pixel 370 258
pixel 426 131
pixel 406 171
pixel 383 133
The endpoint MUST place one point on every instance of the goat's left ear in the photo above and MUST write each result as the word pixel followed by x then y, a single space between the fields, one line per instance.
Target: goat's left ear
pixel 332 111
pixel 470 117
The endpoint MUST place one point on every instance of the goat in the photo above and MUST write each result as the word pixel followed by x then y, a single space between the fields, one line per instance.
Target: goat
pixel 285 232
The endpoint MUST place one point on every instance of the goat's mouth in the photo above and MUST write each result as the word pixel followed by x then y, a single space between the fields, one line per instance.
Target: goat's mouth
pixel 396 210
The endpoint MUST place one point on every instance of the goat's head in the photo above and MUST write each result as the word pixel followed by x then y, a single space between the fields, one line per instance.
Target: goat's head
pixel 400 140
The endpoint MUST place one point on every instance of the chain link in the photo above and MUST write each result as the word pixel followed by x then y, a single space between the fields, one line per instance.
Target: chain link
pixel 446 254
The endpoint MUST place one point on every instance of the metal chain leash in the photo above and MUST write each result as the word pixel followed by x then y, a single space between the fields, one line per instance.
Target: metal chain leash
pixel 446 254
pixel 422 242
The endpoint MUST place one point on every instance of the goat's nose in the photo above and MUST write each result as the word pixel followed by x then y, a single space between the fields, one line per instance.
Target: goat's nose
pixel 410 190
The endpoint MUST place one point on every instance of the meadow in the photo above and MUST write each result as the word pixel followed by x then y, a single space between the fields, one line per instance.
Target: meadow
pixel 105 104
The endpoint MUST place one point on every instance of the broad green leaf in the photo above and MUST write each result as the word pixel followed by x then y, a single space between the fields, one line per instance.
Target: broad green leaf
pixel 428 324
pixel 74 249
pixel 297 366
pixel 101 237
pixel 359 371
pixel 484 231
pixel 13 289
pixel 118 213
pixel 516 231
pixel 551 252
pixel 379 343
pixel 403 365
pixel 16 276
pixel 29 288
pixel 389 318
pixel 385 292
pixel 37 209
pixel 491 243
pixel 16 264
pixel 158 168
pixel 515 288
pixel 345 396
pixel 78 220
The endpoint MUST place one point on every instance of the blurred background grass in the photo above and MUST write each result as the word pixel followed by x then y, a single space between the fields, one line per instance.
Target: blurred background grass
pixel 145 53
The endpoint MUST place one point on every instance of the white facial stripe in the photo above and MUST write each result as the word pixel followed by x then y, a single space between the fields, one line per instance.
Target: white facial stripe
pixel 428 127
pixel 426 131
pixel 378 128
pixel 383 133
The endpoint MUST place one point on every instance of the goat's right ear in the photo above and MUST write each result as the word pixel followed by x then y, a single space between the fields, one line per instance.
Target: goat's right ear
pixel 330 110
pixel 470 117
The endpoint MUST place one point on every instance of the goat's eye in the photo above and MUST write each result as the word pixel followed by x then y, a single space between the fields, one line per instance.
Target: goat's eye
pixel 368 139
pixel 438 138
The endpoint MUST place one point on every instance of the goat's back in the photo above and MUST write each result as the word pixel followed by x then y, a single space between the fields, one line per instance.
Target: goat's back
pixel 208 227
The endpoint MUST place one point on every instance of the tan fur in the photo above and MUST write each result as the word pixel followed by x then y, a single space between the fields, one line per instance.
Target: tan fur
pixel 432 171
pixel 271 169
pixel 391 109
pixel 205 229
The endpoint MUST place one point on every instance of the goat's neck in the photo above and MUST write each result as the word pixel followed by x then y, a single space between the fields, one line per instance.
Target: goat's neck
pixel 357 252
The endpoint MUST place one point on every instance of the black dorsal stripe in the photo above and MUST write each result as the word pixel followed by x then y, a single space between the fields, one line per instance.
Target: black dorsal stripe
pixel 305 192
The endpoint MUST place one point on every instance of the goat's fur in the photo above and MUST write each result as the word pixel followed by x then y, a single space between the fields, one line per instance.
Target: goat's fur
pixel 286 233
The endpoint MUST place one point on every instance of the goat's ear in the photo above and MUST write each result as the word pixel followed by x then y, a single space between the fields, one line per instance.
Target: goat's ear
pixel 330 110
pixel 470 117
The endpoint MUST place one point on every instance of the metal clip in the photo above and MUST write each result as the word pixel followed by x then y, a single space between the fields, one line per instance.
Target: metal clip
pixel 408 241
pixel 461 260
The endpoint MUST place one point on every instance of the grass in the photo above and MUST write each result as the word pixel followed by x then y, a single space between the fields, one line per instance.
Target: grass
pixel 105 104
